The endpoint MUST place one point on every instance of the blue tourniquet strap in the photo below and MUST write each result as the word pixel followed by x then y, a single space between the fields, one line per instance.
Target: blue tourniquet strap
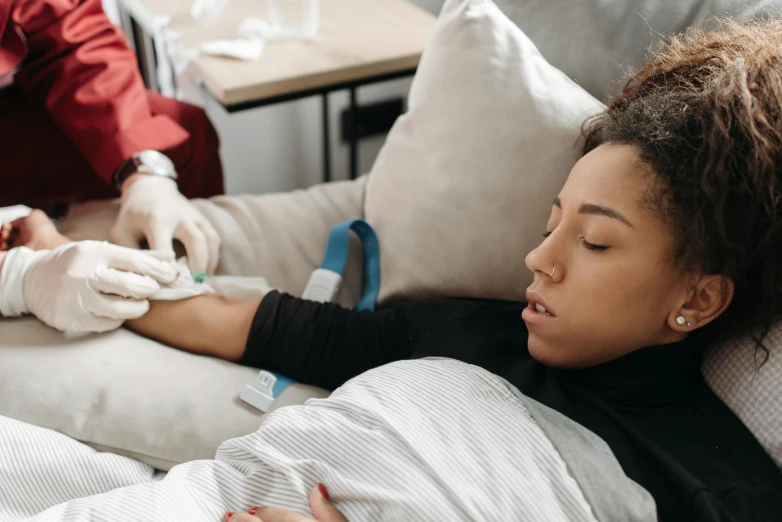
pixel 336 257
pixel 334 260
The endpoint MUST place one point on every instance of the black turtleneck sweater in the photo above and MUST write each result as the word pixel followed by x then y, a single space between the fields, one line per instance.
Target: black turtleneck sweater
pixel 668 431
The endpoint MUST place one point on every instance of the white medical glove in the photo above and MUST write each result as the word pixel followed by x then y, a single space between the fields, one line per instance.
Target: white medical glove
pixel 153 208
pixel 85 286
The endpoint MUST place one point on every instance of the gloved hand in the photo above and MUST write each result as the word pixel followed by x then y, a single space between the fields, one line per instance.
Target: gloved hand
pixel 152 207
pixel 85 286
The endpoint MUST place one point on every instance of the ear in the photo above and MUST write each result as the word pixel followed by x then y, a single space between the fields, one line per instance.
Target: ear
pixel 705 301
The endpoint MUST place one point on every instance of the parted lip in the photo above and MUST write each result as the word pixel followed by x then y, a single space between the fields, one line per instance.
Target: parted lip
pixel 533 298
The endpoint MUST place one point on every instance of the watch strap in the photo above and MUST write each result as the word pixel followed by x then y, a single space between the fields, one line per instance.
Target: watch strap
pixel 149 162
pixel 125 170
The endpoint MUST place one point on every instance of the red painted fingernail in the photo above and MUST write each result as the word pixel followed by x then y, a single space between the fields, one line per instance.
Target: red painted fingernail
pixel 253 510
pixel 323 491
pixel 228 516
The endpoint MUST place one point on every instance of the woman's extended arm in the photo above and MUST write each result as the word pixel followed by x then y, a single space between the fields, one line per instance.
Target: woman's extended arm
pixel 209 324
pixel 322 344
pixel 316 343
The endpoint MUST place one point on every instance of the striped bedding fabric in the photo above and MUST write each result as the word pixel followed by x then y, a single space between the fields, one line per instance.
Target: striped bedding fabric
pixel 423 440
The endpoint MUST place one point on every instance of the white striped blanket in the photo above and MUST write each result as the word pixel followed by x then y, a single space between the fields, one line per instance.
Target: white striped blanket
pixel 422 440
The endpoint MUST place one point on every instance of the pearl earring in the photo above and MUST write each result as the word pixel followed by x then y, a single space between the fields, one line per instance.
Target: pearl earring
pixel 680 320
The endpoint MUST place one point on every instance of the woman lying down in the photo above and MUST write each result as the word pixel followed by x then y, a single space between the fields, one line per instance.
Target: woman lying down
pixel 666 237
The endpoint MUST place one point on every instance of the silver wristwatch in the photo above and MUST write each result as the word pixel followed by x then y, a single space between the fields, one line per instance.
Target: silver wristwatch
pixel 149 162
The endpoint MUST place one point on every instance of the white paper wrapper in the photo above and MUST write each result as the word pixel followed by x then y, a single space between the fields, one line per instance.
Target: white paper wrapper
pixel 235 287
pixel 240 49
pixel 203 10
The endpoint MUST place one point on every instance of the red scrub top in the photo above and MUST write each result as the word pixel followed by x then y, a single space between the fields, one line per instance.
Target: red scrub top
pixel 69 58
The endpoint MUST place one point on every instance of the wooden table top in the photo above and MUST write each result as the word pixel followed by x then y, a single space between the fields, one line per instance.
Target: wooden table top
pixel 357 39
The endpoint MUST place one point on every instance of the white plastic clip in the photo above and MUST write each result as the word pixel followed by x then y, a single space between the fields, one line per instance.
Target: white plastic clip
pixel 322 286
pixel 259 394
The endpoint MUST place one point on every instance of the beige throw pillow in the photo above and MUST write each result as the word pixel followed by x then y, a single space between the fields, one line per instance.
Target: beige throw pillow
pixel 463 187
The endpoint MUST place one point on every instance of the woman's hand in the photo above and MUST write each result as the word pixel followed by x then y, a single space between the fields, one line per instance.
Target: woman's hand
pixel 320 506
pixel 36 232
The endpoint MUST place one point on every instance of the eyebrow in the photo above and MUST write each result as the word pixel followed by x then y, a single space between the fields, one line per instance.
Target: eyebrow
pixel 588 208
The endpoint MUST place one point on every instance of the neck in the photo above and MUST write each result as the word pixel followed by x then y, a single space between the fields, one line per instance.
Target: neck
pixel 651 376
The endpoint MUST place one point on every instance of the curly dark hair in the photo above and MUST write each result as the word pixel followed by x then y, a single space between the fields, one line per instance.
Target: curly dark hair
pixel 705 113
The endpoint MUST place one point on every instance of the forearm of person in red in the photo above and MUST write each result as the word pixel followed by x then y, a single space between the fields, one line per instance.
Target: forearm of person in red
pixel 80 68
pixel 78 113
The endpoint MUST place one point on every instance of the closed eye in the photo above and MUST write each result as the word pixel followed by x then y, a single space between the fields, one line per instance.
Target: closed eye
pixel 593 247
pixel 587 244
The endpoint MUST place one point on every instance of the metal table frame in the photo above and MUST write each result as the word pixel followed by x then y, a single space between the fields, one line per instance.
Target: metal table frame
pixel 324 92
pixel 144 45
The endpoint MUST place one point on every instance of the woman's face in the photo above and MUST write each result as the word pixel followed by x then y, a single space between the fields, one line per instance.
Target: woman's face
pixel 615 284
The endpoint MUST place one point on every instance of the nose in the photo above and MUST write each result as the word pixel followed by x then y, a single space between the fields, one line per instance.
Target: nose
pixel 534 261
pixel 542 260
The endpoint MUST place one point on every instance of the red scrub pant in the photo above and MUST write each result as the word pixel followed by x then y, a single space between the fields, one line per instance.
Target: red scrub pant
pixel 41 168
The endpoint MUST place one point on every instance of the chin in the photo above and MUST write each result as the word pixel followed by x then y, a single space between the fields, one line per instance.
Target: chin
pixel 540 350
pixel 548 353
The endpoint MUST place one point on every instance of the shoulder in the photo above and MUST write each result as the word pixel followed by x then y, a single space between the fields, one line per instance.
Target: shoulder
pixel 458 307
pixel 746 503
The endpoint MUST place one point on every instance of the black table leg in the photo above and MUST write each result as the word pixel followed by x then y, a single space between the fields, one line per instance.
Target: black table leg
pixel 353 134
pixel 326 140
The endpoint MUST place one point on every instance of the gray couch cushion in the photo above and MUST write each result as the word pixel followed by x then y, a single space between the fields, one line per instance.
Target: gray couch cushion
pixel 596 41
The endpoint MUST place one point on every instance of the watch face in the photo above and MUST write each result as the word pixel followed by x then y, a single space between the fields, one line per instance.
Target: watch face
pixel 157 162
